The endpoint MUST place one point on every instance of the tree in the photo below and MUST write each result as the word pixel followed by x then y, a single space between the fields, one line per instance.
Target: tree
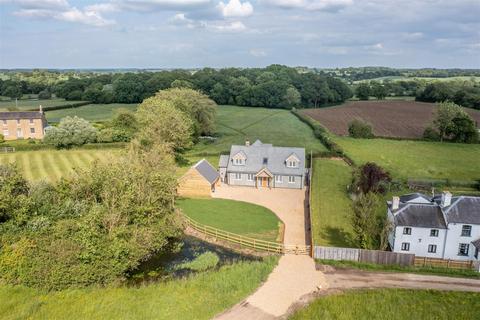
pixel 44 94
pixel 121 128
pixel 128 88
pixel 371 178
pixel 363 91
pixel 181 84
pixel 364 221
pixel 463 129
pixel 13 92
pixel 161 122
pixel 431 134
pixel 291 98
pixel 71 132
pixel 197 106
pixel 378 90
pixel 446 112
pixel 360 129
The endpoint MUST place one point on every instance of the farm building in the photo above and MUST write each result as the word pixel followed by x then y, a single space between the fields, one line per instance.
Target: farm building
pixel 23 124
pixel 199 181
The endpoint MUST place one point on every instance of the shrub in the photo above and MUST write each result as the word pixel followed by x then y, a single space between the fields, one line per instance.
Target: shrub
pixel 431 134
pixel 2 139
pixel 203 262
pixel 71 132
pixel 45 94
pixel 360 129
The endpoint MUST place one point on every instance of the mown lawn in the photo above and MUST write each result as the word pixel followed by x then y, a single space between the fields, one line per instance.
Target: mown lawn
pixel 417 159
pixel 32 103
pixel 330 204
pixel 50 164
pixel 280 127
pixel 197 297
pixel 234 216
pixel 393 304
pixel 90 112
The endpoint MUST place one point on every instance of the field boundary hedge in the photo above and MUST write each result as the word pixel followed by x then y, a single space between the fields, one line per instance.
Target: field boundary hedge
pixel 322 134
pixel 63 106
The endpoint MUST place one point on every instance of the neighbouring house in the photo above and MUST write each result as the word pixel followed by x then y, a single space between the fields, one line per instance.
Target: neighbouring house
pixel 443 227
pixel 23 124
pixel 262 165
pixel 199 180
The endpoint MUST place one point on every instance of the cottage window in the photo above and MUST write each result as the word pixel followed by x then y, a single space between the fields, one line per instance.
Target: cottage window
pixel 292 164
pixel 434 233
pixel 32 130
pixel 407 231
pixel 250 177
pixel 405 246
pixel 432 248
pixel 238 162
pixel 291 179
pixel 18 121
pixel 279 179
pixel 31 121
pixel 4 122
pixel 238 176
pixel 463 249
pixel 466 231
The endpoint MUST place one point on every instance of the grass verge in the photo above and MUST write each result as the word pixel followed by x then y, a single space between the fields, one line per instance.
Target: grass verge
pixel 200 296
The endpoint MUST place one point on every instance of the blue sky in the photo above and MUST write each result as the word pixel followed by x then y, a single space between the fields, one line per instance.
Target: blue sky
pixel 239 33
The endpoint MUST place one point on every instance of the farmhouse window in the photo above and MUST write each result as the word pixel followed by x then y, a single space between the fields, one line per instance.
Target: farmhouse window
pixel 434 233
pixel 250 177
pixel 292 164
pixel 4 122
pixel 31 121
pixel 279 179
pixel 432 248
pixel 238 162
pixel 407 230
pixel 238 176
pixel 405 246
pixel 466 231
pixel 291 179
pixel 32 130
pixel 463 249
pixel 18 121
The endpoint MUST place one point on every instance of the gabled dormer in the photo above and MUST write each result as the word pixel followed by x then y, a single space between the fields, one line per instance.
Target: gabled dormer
pixel 239 159
pixel 292 161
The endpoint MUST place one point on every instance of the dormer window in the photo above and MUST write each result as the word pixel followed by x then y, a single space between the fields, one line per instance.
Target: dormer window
pixel 239 159
pixel 238 162
pixel 292 164
pixel 292 161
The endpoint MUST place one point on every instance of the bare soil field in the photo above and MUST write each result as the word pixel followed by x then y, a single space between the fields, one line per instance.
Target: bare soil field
pixel 402 119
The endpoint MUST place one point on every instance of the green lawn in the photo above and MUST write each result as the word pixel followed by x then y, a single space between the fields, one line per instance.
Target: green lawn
pixel 90 112
pixel 393 304
pixel 32 104
pixel 52 164
pixel 330 203
pixel 279 127
pixel 197 297
pixel 417 159
pixel 234 216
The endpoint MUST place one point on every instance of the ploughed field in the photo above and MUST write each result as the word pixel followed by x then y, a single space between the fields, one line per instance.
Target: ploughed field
pixel 402 119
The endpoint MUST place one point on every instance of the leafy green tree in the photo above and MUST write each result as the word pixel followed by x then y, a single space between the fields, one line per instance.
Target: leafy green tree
pixel 129 88
pixel 431 134
pixel 360 129
pixel 463 129
pixel 363 91
pixel 181 84
pixel 71 132
pixel 197 106
pixel 292 97
pixel 13 92
pixel 219 94
pixel 364 220
pixel 378 90
pixel 446 112
pixel 44 94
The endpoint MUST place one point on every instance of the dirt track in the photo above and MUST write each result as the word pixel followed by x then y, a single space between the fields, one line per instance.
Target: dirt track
pixel 405 119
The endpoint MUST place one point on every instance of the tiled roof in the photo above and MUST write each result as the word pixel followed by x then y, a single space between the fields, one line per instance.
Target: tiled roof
pixel 207 171
pixel 13 115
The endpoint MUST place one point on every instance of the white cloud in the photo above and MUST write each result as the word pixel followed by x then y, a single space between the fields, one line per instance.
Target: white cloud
pixel 235 26
pixel 150 5
pixel 235 8
pixel 258 53
pixel 102 7
pixel 311 5
pixel 38 4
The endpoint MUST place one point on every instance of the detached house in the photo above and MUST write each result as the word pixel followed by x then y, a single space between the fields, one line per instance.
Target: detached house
pixel 262 165
pixel 443 227
pixel 23 124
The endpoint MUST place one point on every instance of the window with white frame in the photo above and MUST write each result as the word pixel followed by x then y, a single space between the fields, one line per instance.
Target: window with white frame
pixel 432 248
pixel 292 164
pixel 463 249
pixel 434 233
pixel 466 231
pixel 279 179
pixel 291 179
pixel 407 230
pixel 405 246
pixel 238 176
pixel 250 177
pixel 238 161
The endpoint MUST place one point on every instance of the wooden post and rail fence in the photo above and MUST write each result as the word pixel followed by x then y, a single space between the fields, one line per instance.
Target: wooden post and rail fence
pixel 244 241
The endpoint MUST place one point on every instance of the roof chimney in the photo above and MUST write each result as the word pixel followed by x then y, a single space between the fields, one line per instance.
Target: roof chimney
pixel 395 203
pixel 446 199
pixel 41 109
pixel 247 143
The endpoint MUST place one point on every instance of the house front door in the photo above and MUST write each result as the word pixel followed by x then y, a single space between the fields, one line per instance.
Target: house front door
pixel 264 181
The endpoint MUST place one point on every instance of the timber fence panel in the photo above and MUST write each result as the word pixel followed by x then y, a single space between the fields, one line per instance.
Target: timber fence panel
pixel 386 258
pixel 333 253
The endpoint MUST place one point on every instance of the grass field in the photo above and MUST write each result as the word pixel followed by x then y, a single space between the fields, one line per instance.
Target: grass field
pixel 50 165
pixel 417 159
pixel 279 127
pixel 234 216
pixel 330 204
pixel 197 297
pixel 33 104
pixel 393 304
pixel 90 112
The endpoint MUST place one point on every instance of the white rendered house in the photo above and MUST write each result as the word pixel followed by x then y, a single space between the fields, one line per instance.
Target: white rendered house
pixel 443 227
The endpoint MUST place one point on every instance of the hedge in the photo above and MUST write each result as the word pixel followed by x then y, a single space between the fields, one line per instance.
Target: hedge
pixel 64 106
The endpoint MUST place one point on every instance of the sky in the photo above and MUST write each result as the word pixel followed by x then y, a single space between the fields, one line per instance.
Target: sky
pixel 239 33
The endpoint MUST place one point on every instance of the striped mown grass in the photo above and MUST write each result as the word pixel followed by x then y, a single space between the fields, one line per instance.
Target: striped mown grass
pixel 51 165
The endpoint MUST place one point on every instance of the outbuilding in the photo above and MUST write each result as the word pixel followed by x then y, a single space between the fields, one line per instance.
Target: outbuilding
pixel 199 181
